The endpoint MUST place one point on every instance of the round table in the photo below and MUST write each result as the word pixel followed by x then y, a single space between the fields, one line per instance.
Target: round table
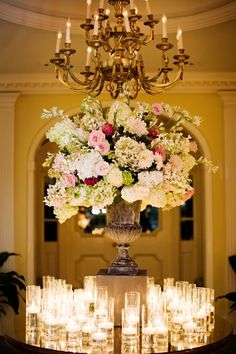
pixel 219 337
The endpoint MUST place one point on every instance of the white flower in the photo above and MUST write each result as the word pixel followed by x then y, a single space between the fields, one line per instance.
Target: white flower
pixel 86 166
pixel 114 177
pixel 156 198
pixel 135 126
pixel 151 178
pixel 135 192
pixel 146 159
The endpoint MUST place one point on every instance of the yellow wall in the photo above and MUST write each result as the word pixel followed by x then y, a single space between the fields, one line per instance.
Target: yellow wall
pixel 28 123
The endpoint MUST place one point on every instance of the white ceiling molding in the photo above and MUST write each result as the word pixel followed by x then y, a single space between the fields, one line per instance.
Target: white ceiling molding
pixel 44 22
pixel 33 84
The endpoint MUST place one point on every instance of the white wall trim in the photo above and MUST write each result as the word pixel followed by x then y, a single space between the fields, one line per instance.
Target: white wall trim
pixel 200 20
pixel 32 84
pixel 229 101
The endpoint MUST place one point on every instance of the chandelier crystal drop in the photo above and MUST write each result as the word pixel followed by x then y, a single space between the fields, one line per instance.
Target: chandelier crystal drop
pixel 114 60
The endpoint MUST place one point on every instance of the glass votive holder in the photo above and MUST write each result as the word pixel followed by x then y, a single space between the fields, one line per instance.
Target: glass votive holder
pixel 176 331
pixel 73 337
pixel 189 335
pixel 107 325
pixel 50 332
pixel 98 341
pixel 33 309
pixel 129 333
pixel 87 328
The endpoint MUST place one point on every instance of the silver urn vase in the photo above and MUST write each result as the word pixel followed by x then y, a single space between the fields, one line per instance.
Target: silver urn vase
pixel 123 228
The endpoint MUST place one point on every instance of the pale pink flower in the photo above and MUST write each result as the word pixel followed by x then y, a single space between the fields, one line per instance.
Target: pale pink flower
pixel 59 162
pixel 96 137
pixel 193 146
pixel 69 180
pixel 103 147
pixel 157 109
pixel 176 162
pixel 102 168
pixel 188 195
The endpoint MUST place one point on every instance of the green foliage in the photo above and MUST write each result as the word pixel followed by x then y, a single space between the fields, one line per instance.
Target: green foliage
pixel 11 285
pixel 232 295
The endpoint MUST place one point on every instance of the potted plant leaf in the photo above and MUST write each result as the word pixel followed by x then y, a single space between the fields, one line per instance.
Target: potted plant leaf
pixel 11 286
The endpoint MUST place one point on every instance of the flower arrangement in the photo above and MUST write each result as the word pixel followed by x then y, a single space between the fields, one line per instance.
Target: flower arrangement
pixel 119 152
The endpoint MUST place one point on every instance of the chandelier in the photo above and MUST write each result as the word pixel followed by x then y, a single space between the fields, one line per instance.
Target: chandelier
pixel 114 60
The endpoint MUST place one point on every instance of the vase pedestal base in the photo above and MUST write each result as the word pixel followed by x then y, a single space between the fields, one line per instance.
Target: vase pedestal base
pixel 123 264
pixel 117 285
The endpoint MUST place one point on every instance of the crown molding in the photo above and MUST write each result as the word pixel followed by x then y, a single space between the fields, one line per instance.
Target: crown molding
pixel 28 18
pixel 33 84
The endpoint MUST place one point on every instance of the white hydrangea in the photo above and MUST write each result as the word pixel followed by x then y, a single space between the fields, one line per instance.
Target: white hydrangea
pixel 134 192
pixel 63 133
pixel 87 165
pixel 156 198
pixel 118 113
pixel 135 126
pixel 114 177
pixel 130 153
pixel 151 178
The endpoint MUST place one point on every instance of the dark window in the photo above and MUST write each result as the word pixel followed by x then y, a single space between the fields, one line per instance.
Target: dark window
pixel 187 230
pixel 50 231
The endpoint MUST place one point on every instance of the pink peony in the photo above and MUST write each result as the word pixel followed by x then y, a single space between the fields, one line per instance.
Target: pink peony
pixel 153 132
pixel 159 150
pixel 103 147
pixel 108 129
pixel 69 180
pixel 96 137
pixel 91 181
pixel 157 109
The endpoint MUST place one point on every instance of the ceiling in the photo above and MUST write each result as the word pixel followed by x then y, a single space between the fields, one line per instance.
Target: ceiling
pixel 28 32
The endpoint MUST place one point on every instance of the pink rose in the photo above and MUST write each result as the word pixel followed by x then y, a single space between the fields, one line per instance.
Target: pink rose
pixel 108 129
pixel 153 132
pixel 91 181
pixel 103 147
pixel 96 137
pixel 157 109
pixel 69 179
pixel 159 150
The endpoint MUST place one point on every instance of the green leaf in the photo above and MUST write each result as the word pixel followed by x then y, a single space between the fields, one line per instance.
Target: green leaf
pixel 230 296
pixel 4 256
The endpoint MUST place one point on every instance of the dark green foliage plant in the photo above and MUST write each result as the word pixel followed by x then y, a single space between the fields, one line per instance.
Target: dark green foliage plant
pixel 232 295
pixel 11 286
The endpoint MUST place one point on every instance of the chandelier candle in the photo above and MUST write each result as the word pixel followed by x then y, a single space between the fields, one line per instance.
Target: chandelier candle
pixel 68 26
pixel 88 8
pixel 58 44
pixel 164 31
pixel 149 12
pixel 180 39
